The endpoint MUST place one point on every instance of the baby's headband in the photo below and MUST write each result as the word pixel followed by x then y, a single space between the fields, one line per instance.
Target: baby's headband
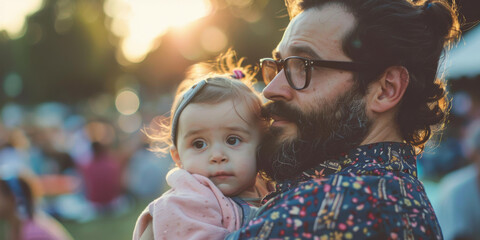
pixel 187 98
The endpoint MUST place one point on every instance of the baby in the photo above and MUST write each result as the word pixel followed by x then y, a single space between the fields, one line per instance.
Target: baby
pixel 215 131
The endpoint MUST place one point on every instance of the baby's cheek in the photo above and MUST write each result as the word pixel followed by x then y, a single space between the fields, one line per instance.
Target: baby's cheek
pixel 193 168
pixel 248 168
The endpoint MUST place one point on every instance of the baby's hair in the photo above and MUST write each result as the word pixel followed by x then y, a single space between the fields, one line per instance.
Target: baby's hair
pixel 221 86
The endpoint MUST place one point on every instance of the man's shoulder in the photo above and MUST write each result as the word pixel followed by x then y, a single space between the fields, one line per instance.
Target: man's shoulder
pixel 356 206
pixel 387 188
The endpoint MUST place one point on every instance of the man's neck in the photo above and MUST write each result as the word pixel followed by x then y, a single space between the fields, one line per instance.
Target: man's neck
pixel 383 129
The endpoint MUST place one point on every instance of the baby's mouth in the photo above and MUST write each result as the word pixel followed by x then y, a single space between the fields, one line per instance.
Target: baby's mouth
pixel 221 175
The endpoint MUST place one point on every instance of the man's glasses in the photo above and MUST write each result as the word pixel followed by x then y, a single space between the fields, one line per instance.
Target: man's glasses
pixel 298 70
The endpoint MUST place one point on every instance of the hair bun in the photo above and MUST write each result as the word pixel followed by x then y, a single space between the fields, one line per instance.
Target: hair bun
pixel 441 19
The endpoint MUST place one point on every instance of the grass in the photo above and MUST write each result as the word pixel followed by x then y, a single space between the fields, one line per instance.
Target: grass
pixel 107 227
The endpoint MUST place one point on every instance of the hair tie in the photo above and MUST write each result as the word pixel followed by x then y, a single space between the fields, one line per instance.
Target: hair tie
pixel 238 74
pixel 427 5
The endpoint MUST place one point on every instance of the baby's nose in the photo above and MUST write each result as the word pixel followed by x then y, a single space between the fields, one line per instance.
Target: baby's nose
pixel 218 156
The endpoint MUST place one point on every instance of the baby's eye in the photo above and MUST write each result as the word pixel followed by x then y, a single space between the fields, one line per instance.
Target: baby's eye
pixel 234 140
pixel 199 144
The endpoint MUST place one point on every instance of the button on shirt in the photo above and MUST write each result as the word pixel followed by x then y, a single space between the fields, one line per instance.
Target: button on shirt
pixel 370 193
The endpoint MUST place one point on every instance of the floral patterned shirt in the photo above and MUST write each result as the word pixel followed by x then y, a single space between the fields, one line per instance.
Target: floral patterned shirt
pixel 370 193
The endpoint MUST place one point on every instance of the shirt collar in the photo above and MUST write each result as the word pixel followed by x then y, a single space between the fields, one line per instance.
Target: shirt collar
pixel 383 156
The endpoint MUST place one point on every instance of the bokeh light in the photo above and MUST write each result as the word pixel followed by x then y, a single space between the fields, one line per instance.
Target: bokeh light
pixel 140 22
pixel 13 85
pixel 64 11
pixel 13 15
pixel 130 123
pixel 214 40
pixel 127 102
pixel 12 115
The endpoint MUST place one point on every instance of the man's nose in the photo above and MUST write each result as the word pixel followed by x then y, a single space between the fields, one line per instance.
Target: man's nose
pixel 278 88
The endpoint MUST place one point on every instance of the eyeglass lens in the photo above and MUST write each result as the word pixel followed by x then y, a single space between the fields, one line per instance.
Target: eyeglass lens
pixel 295 71
pixel 269 71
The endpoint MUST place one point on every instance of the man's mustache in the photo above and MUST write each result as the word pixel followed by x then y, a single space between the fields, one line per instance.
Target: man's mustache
pixel 282 110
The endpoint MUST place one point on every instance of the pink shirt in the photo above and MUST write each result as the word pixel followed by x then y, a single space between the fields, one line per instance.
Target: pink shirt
pixel 194 208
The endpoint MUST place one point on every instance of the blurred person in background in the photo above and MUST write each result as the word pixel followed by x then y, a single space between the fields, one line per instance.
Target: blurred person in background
pixel 47 154
pixel 102 177
pixel 145 173
pixel 14 151
pixel 24 221
pixel 459 201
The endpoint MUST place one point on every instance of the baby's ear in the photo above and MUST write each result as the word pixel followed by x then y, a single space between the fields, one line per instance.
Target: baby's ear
pixel 175 156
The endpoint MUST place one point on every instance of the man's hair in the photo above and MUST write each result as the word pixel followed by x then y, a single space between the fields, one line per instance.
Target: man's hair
pixel 401 33
pixel 221 87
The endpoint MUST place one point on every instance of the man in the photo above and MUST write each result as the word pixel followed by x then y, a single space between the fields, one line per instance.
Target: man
pixel 354 98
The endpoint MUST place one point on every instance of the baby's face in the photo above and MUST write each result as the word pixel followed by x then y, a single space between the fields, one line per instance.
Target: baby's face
pixel 219 141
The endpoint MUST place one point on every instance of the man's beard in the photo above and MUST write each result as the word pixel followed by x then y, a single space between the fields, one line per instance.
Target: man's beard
pixel 323 134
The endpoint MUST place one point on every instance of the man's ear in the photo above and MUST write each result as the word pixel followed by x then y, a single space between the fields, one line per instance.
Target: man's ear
pixel 385 93
pixel 175 156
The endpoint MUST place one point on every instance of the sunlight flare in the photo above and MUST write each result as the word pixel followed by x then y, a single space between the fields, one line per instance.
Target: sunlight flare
pixel 13 15
pixel 139 23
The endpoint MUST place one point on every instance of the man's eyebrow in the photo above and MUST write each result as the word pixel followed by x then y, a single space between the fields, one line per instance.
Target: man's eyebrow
pixel 303 50
pixel 276 54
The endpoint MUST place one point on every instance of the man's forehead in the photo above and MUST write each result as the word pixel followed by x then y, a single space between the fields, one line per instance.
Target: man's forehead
pixel 286 37
pixel 319 31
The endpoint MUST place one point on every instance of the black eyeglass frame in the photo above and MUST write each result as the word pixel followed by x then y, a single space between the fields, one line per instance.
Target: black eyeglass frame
pixel 309 63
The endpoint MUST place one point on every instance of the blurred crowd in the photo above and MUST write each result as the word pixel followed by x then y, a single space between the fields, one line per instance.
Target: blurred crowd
pixel 450 167
pixel 73 168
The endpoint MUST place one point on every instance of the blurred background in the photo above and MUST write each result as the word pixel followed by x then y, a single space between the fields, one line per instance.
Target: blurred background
pixel 79 79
